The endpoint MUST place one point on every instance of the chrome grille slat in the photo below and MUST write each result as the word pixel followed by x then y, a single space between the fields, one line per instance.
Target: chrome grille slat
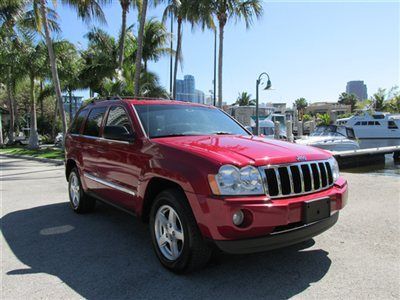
pixel 301 178
pixel 311 177
pixel 274 177
pixel 319 173
pixel 326 174
pixel 278 179
pixel 291 180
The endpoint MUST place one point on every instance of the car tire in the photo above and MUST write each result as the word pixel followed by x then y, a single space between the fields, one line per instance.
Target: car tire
pixel 80 202
pixel 191 251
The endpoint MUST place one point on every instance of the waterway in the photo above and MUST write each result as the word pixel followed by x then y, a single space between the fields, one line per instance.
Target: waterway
pixel 389 168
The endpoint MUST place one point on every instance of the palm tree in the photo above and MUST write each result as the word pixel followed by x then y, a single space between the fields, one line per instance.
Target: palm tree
pixel 17 31
pixel 224 10
pixel 9 61
pixel 70 71
pixel 348 99
pixel 179 9
pixel 324 119
pixel 34 57
pixel 86 10
pixel 378 100
pixel 301 104
pixel 138 62
pixel 190 11
pixel 100 60
pixel 244 99
pixel 155 40
pixel 125 4
pixel 11 13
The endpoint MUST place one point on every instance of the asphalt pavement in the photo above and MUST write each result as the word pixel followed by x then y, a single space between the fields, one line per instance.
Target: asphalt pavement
pixel 50 252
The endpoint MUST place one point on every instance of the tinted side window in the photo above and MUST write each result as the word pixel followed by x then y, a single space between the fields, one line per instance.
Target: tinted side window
pixel 118 117
pixel 77 124
pixel 392 125
pixel 93 123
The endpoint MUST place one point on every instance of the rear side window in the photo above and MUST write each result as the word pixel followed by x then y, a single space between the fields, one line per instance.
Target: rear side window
pixel 93 123
pixel 78 121
pixel 118 117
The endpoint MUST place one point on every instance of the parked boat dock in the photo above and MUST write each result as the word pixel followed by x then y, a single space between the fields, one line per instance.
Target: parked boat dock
pixel 362 157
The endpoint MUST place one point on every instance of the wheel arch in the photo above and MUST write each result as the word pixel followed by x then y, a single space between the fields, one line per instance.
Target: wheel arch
pixel 155 186
pixel 70 164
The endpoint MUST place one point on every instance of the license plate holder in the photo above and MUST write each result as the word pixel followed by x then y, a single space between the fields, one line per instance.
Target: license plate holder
pixel 316 210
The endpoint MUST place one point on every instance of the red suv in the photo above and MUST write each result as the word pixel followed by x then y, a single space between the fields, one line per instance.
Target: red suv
pixel 199 178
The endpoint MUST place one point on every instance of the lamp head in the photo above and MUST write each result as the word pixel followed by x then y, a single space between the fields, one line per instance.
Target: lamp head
pixel 268 86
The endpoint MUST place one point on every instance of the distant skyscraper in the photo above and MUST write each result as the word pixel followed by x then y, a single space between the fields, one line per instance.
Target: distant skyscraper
pixel 357 88
pixel 186 90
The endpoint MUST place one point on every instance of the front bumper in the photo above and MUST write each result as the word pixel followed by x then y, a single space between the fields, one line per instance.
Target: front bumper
pixel 279 239
pixel 266 216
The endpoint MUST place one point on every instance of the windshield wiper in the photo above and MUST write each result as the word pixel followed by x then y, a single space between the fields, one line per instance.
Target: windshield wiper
pixel 222 133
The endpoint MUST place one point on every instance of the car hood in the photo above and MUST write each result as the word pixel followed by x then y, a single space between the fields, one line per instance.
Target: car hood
pixel 243 150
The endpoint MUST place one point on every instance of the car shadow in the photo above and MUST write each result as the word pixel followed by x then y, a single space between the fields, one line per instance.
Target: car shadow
pixel 108 254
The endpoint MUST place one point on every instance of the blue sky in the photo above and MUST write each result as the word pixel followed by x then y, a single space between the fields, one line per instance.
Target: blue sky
pixel 309 48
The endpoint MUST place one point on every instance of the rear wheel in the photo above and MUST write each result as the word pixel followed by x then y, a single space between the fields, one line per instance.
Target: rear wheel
pixel 176 238
pixel 79 200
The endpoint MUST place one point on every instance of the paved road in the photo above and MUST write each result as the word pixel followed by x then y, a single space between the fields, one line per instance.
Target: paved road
pixel 50 252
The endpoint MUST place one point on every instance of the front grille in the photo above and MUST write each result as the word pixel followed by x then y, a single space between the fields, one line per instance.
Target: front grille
pixel 298 178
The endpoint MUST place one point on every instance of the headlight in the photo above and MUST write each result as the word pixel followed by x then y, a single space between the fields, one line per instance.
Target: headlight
pixel 335 168
pixel 234 181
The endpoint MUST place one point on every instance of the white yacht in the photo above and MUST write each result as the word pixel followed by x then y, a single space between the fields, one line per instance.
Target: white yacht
pixel 374 129
pixel 332 138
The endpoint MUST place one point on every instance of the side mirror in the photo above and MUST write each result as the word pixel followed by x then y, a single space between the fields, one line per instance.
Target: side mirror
pixel 118 133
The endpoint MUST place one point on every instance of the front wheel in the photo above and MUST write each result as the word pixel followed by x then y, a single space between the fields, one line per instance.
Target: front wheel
pixel 79 200
pixel 176 238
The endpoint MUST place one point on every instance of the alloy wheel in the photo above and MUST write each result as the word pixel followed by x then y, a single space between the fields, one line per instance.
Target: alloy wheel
pixel 169 232
pixel 74 190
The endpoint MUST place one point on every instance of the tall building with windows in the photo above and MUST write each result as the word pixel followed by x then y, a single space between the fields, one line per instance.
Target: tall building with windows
pixel 357 88
pixel 186 90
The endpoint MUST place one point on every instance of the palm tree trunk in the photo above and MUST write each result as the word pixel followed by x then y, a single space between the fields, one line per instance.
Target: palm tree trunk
pixel 139 52
pixel 220 60
pixel 41 99
pixel 123 35
pixel 33 135
pixel 11 108
pixel 177 55
pixel 53 130
pixel 53 65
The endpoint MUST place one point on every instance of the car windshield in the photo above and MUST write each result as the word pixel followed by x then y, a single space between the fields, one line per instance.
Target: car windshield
pixel 181 120
pixel 329 130
pixel 326 133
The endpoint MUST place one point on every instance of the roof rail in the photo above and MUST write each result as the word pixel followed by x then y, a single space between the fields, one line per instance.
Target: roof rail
pixel 143 98
pixel 117 97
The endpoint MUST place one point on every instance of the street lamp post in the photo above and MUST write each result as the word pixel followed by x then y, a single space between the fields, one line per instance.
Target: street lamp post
pixel 268 86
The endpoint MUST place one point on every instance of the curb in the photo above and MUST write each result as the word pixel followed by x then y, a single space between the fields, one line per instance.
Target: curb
pixel 56 162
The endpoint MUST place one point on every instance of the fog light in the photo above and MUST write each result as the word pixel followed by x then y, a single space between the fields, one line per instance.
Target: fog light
pixel 238 218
